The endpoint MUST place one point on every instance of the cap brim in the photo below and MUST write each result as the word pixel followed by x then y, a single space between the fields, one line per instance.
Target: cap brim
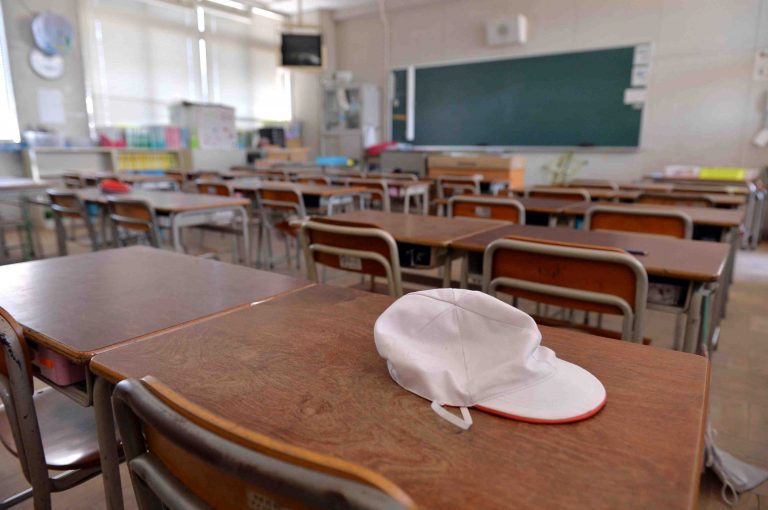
pixel 570 394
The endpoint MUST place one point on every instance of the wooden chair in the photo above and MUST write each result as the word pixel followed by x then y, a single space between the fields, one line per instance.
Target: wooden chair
pixel 207 187
pixel 592 183
pixel 377 191
pixel 575 194
pixel 496 208
pixel 180 456
pixel 179 177
pixel 648 221
pixel 588 278
pixel 73 180
pixel 451 185
pixel 320 180
pixel 134 216
pixel 44 429
pixel 407 176
pixel 680 199
pixel 66 205
pixel 366 250
pixel 281 210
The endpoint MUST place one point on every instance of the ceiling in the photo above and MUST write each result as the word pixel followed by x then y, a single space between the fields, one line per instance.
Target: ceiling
pixel 291 6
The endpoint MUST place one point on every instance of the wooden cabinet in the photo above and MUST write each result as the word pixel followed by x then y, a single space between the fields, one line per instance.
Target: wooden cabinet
pixel 508 168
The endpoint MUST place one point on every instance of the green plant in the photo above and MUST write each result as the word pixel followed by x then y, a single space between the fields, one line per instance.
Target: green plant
pixel 564 168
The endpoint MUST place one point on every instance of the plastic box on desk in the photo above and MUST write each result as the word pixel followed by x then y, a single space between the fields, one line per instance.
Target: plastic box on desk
pixel 57 368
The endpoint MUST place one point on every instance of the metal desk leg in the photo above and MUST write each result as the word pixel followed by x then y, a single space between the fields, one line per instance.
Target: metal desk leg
pixel 176 233
pixel 693 324
pixel 447 271
pixel 108 452
pixel 464 278
pixel 246 235
pixel 425 203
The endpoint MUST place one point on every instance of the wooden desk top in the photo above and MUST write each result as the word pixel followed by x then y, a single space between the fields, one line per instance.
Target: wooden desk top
pixel 141 178
pixel 665 256
pixel 80 304
pixel 328 390
pixel 547 205
pixel 21 184
pixel 434 231
pixel 700 215
pixel 611 194
pixel 645 186
pixel 168 201
pixel 405 183
pixel 305 189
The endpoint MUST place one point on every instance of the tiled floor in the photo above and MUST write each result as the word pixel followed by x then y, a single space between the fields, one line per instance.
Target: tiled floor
pixel 738 399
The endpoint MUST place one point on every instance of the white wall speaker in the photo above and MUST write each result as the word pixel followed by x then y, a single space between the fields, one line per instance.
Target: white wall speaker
pixel 507 31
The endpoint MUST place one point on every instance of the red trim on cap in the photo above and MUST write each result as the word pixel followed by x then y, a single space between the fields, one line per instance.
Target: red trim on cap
pixel 584 416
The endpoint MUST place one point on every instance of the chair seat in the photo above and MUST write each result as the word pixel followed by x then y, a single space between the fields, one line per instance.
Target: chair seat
pixel 68 431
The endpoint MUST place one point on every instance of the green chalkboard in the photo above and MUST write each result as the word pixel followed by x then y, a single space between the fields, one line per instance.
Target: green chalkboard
pixel 568 99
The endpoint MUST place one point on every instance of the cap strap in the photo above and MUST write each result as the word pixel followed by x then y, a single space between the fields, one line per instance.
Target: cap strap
pixel 463 423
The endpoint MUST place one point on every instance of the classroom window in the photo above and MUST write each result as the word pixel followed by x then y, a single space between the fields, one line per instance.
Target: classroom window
pixel 142 57
pixel 9 122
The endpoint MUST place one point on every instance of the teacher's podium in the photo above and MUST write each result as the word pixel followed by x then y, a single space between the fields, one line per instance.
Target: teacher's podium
pixel 493 168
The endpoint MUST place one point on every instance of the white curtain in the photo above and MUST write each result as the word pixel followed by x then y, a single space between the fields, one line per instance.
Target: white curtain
pixel 144 55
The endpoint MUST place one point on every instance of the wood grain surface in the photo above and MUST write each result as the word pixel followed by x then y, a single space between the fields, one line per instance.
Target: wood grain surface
pixel 423 230
pixel 663 256
pixel 548 205
pixel 700 215
pixel 168 201
pixel 304 189
pixel 303 369
pixel 80 304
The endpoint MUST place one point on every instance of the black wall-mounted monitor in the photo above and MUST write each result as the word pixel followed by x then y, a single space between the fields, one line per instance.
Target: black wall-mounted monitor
pixel 302 50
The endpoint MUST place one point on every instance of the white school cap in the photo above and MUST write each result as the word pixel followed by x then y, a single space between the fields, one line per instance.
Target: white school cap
pixel 467 349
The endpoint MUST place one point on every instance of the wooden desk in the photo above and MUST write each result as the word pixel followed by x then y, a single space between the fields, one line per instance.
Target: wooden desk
pixel 698 268
pixel 185 210
pixel 646 186
pixel 433 231
pixel 663 254
pixel 423 241
pixel 705 216
pixel 327 196
pixel 329 391
pixel 82 304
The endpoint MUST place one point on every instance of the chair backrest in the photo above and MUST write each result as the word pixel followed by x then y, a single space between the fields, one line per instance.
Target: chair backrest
pixel 16 389
pixel 577 194
pixel 182 456
pixel 407 176
pixel 179 177
pixel 649 221
pixel 496 208
pixel 450 185
pixel 208 174
pixel 66 204
pixel 282 200
pixel 377 189
pixel 590 278
pixel 213 188
pixel 363 249
pixel 133 214
pixel 679 199
pixel 321 180
pixel 73 181
pixel 593 183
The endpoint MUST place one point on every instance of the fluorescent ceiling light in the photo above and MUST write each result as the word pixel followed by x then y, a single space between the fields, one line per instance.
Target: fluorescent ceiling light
pixel 258 11
pixel 229 3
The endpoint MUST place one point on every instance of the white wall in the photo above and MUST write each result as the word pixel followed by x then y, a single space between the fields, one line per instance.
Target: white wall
pixel 703 106
pixel 18 16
